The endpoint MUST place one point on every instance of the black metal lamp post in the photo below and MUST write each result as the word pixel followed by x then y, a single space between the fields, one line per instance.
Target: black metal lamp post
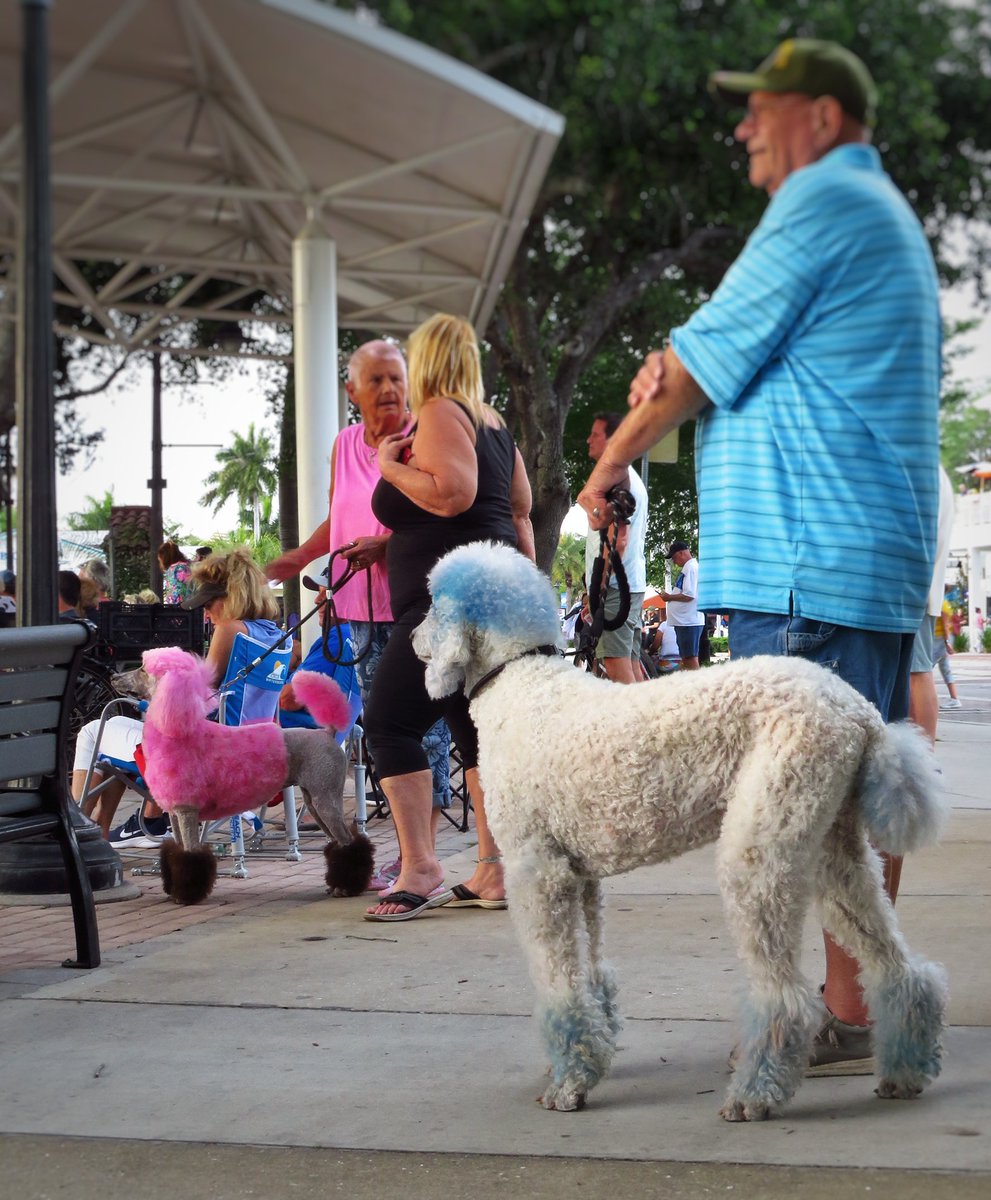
pixel 31 867
pixel 156 483
pixel 37 541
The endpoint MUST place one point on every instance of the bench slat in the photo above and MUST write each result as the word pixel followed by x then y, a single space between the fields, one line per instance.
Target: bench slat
pixel 29 718
pixel 17 804
pixel 42 683
pixel 51 644
pixel 23 758
pixel 38 670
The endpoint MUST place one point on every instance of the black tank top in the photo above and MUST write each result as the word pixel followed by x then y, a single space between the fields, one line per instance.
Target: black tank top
pixel 420 538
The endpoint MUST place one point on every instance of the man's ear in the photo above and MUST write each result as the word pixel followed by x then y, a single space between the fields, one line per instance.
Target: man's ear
pixel 827 122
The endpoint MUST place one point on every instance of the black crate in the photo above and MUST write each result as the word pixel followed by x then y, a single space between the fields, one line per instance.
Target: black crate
pixel 130 629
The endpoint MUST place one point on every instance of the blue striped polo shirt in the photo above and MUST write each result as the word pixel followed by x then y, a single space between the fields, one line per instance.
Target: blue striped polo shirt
pixel 820 351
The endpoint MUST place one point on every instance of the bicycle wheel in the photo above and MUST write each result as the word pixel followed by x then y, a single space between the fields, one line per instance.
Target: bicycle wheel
pixel 93 691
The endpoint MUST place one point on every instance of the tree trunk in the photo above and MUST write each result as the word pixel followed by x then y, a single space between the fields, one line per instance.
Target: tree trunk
pixel 536 413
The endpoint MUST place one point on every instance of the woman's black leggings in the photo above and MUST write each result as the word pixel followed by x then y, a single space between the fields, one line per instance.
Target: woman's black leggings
pixel 399 711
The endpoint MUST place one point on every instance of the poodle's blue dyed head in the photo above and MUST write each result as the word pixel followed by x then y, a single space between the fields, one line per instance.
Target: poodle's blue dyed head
pixel 489 605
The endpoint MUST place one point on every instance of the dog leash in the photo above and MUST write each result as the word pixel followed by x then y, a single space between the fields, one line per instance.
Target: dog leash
pixel 313 586
pixel 608 564
pixel 334 585
pixel 547 651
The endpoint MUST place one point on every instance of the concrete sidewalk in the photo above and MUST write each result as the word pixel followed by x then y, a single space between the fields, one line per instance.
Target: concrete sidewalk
pixel 284 1047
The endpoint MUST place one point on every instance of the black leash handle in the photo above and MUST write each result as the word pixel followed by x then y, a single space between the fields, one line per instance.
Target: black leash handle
pixel 607 564
pixel 334 585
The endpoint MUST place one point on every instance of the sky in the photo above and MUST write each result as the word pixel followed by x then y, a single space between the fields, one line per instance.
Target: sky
pixel 123 460
pixel 196 426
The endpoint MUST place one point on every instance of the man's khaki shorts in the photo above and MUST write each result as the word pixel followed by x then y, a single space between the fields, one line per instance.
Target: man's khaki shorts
pixel 620 643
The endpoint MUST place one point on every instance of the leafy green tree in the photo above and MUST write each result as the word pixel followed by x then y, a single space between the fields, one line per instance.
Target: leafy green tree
pixel 646 202
pixel 262 549
pixel 246 473
pixel 96 513
pixel 965 434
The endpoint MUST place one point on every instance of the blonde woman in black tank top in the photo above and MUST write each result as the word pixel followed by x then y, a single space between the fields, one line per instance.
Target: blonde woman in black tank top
pixel 457 478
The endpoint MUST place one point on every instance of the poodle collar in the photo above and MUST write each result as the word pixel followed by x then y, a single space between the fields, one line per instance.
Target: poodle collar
pixel 547 651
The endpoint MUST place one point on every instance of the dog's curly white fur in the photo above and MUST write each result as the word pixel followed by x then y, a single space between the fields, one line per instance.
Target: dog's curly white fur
pixel 199 770
pixel 780 760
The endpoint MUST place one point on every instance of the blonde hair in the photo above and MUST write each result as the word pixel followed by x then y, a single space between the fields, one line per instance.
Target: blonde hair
pixel 247 596
pixel 145 596
pixel 444 360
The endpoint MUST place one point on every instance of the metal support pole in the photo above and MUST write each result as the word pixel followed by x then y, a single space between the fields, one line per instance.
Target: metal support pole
pixel 37 540
pixel 156 483
pixel 317 381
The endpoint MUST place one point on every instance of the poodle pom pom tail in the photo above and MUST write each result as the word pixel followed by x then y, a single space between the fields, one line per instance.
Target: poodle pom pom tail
pixel 323 698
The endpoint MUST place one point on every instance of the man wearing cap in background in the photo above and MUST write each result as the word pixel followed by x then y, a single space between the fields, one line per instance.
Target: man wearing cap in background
pixel 683 606
pixel 814 371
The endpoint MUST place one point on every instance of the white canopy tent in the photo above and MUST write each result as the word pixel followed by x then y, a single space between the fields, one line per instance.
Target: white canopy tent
pixel 358 178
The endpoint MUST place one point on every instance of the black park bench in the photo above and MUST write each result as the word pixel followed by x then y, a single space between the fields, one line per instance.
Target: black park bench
pixel 38 668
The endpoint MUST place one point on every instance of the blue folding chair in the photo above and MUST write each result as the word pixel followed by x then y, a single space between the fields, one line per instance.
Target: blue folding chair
pixel 249 692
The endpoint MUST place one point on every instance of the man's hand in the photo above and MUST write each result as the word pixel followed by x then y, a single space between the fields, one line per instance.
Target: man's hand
pixel 592 497
pixel 287 699
pixel 648 381
pixel 365 551
pixel 284 567
pixel 662 396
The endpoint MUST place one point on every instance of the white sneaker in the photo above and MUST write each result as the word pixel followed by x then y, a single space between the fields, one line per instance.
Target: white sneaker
pixel 952 704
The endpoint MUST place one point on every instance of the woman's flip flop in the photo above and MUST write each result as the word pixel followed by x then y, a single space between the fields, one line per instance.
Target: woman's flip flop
pixel 416 905
pixel 463 897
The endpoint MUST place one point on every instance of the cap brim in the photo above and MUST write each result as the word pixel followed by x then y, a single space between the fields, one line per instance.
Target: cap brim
pixel 311 585
pixel 732 85
pixel 203 595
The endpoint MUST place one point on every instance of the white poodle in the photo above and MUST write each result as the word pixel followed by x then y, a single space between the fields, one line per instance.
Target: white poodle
pixel 779 759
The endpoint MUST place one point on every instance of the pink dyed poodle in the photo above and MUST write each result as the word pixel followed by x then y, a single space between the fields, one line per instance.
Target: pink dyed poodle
pixel 200 771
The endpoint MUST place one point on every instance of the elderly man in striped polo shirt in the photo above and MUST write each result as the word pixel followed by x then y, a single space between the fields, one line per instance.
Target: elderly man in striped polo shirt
pixel 814 372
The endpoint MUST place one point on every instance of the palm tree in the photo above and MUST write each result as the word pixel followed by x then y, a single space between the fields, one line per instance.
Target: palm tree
pixel 247 472
pixel 95 514
pixel 262 549
pixel 568 568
